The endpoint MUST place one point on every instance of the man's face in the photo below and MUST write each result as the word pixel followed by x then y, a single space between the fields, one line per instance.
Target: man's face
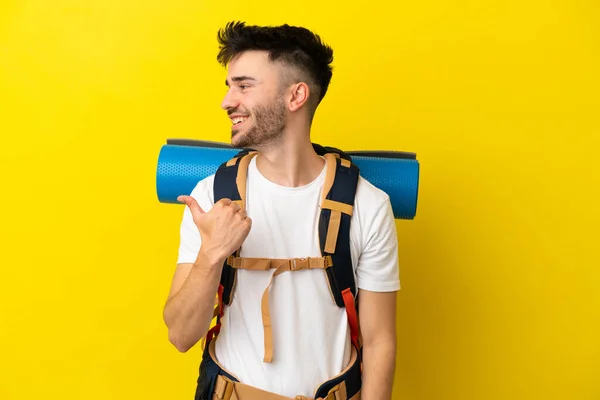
pixel 254 100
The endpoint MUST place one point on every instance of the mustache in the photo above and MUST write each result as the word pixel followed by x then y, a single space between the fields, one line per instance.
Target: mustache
pixel 237 111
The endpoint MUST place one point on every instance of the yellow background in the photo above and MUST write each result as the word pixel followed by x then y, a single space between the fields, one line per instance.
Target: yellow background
pixel 499 99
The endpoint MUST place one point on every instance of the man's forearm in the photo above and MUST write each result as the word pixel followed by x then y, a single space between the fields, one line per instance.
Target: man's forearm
pixel 379 364
pixel 189 312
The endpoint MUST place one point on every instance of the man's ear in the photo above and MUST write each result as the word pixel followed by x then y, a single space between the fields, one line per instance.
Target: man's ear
pixel 299 96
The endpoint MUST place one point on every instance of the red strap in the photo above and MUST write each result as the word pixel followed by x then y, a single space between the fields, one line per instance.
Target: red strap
pixel 352 316
pixel 214 331
pixel 220 293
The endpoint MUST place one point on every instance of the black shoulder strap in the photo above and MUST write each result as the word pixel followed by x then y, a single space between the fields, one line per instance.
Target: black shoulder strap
pixel 334 225
pixel 226 186
pixel 322 150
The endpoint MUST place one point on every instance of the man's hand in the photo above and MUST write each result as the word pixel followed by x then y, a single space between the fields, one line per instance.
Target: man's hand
pixel 223 229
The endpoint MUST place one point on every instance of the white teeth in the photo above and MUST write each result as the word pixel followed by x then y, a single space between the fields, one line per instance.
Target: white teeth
pixel 238 120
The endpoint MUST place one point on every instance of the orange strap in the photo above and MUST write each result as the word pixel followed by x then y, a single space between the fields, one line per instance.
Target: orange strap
pixel 352 317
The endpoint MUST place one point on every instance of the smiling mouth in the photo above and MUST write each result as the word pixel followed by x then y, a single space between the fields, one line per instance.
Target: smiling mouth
pixel 238 120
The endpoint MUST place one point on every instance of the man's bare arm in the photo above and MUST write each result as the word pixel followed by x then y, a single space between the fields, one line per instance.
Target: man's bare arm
pixel 377 313
pixel 189 308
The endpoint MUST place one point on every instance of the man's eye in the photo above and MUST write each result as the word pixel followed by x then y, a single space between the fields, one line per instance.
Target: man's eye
pixel 243 86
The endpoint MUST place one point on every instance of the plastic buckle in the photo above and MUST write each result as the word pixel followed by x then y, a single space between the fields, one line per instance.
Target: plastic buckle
pixel 297 264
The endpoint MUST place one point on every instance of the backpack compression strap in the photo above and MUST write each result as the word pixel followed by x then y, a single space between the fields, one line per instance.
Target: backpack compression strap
pixel 337 206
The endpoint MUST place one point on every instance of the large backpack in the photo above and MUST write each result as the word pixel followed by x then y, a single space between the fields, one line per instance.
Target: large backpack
pixel 334 237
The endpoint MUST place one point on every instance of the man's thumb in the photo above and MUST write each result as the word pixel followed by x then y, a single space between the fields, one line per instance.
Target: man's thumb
pixel 192 204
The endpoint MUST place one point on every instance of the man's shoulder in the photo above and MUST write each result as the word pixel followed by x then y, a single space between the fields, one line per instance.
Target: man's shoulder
pixel 369 198
pixel 203 192
pixel 204 184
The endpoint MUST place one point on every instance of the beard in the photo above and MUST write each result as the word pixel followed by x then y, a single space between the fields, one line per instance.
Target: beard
pixel 267 127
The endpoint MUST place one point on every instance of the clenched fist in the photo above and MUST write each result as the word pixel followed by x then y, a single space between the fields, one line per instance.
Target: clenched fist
pixel 223 229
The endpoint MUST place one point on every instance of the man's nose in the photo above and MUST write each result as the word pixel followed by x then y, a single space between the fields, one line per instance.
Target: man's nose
pixel 229 101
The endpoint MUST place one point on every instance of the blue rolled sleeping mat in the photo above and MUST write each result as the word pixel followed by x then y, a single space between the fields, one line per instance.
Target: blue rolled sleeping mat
pixel 182 163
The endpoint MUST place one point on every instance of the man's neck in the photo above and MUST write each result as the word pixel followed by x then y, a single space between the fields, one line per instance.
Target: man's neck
pixel 292 162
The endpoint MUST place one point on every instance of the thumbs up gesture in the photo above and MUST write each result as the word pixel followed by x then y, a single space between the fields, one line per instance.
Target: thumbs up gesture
pixel 223 229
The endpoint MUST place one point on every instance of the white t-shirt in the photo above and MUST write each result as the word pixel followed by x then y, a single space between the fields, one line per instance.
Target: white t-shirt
pixel 311 335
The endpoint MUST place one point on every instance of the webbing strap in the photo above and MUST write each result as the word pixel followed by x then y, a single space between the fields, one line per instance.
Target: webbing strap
pixel 227 389
pixel 264 264
pixel 223 388
pixel 329 175
pixel 333 230
pixel 242 176
pixel 352 317
pixel 217 312
pixel 337 206
pixel 344 161
pixel 338 392
pixel 281 266
pixel 336 217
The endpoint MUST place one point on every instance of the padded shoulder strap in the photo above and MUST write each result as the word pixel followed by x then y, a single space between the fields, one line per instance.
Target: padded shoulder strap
pixel 337 205
pixel 230 183
pixel 322 150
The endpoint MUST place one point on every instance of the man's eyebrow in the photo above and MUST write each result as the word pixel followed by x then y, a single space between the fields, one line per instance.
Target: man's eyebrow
pixel 239 78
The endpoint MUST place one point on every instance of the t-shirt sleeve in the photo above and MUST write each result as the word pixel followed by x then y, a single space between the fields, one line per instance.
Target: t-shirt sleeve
pixel 189 236
pixel 377 268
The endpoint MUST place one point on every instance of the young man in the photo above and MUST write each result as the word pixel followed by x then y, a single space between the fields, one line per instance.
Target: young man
pixel 276 78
